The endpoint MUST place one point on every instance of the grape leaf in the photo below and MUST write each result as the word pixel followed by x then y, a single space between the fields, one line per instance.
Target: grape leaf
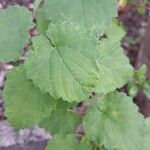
pixel 146 138
pixel 14 24
pixel 25 105
pixel 67 142
pixel 61 120
pixel 63 71
pixel 113 121
pixel 93 14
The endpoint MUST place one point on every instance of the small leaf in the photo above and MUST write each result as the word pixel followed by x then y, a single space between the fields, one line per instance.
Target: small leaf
pixel 140 74
pixel 113 121
pixel 132 89
pixel 146 88
pixel 14 24
pixel 25 105
pixel 67 142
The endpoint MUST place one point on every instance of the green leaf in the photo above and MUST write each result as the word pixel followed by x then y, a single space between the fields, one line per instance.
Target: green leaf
pixel 93 14
pixel 140 74
pixel 132 89
pixel 14 24
pixel 58 65
pixel 67 142
pixel 25 105
pixel 113 121
pixel 114 68
pixel 146 88
pixel 146 135
pixel 141 10
pixel 61 120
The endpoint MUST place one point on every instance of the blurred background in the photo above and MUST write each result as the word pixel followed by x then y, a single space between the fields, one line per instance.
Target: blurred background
pixel 135 18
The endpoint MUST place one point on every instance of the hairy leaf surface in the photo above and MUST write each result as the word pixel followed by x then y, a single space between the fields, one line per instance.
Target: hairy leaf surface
pixel 14 24
pixel 25 104
pixel 67 142
pixel 113 121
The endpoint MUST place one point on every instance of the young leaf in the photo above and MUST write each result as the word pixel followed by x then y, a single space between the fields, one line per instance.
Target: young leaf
pixel 67 142
pixel 140 75
pixel 146 88
pixel 14 24
pixel 25 105
pixel 113 121
pixel 57 64
pixel 132 89
pixel 61 120
pixel 93 14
